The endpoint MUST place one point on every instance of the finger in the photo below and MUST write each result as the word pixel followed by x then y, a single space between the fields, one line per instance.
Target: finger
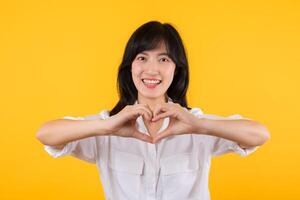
pixel 164 134
pixel 162 115
pixel 147 115
pixel 143 137
pixel 133 114
pixel 158 109
pixel 146 106
pixel 140 111
pixel 148 111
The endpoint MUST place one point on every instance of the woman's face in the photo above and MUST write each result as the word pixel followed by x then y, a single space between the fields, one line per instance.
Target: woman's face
pixel 152 72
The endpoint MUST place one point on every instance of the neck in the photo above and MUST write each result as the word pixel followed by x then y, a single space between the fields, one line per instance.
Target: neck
pixel 152 102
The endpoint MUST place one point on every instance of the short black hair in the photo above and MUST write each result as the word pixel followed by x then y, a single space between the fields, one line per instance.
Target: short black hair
pixel 147 37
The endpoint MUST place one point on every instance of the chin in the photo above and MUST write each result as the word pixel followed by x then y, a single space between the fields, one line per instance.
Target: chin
pixel 152 95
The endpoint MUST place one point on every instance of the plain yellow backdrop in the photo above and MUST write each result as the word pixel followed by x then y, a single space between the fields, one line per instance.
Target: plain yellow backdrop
pixel 60 58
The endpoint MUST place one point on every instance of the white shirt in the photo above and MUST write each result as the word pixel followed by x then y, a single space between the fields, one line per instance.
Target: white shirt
pixel 176 168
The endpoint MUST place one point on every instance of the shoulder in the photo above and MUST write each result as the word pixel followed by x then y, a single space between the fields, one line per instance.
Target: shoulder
pixel 196 111
pixel 104 114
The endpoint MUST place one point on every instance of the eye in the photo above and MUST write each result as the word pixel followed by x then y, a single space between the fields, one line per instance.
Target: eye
pixel 164 59
pixel 140 58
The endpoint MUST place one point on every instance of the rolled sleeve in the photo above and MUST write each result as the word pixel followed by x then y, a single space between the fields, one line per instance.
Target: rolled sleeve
pixel 54 152
pixel 219 146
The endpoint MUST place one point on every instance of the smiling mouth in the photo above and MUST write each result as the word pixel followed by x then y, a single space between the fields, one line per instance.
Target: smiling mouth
pixel 151 82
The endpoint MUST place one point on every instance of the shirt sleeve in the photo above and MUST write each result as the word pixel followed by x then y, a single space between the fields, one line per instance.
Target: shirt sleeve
pixel 219 146
pixel 84 149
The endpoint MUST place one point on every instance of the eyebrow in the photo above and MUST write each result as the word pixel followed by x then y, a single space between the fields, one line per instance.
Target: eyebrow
pixel 160 54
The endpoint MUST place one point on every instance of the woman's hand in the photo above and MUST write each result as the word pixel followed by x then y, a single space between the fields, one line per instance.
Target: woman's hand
pixel 124 123
pixel 181 120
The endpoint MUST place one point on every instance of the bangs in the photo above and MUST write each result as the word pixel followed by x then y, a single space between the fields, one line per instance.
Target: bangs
pixel 150 40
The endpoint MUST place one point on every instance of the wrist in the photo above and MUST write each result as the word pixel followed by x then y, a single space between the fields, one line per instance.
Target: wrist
pixel 200 126
pixel 101 126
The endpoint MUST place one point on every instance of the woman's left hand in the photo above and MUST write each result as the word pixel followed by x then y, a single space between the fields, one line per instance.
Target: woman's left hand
pixel 181 120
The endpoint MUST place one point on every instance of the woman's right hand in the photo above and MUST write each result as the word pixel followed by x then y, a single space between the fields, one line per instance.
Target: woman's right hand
pixel 124 123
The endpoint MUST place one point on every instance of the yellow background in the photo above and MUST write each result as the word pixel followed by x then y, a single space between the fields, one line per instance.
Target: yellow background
pixel 60 58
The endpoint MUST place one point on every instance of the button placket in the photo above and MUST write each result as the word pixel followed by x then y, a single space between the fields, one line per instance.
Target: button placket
pixel 153 167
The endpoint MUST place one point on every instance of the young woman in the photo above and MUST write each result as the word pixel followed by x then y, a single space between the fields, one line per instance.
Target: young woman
pixel 151 145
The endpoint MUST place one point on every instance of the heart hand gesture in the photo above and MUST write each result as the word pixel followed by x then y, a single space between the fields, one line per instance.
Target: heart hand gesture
pixel 124 123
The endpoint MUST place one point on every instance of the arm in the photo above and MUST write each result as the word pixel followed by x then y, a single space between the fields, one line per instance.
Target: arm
pixel 247 133
pixel 61 131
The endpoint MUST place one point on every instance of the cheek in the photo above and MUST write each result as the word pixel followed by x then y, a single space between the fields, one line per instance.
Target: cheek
pixel 136 71
pixel 169 72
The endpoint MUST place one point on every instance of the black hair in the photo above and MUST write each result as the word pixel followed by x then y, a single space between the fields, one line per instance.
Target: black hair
pixel 147 37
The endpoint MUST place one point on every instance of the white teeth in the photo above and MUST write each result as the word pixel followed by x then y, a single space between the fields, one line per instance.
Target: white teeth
pixel 151 81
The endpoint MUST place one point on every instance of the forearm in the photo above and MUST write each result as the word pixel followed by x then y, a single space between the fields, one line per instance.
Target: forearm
pixel 243 131
pixel 61 131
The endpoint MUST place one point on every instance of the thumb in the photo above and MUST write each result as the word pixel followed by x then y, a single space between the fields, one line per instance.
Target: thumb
pixel 142 136
pixel 162 135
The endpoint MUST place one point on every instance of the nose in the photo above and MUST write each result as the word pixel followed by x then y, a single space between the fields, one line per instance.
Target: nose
pixel 151 67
